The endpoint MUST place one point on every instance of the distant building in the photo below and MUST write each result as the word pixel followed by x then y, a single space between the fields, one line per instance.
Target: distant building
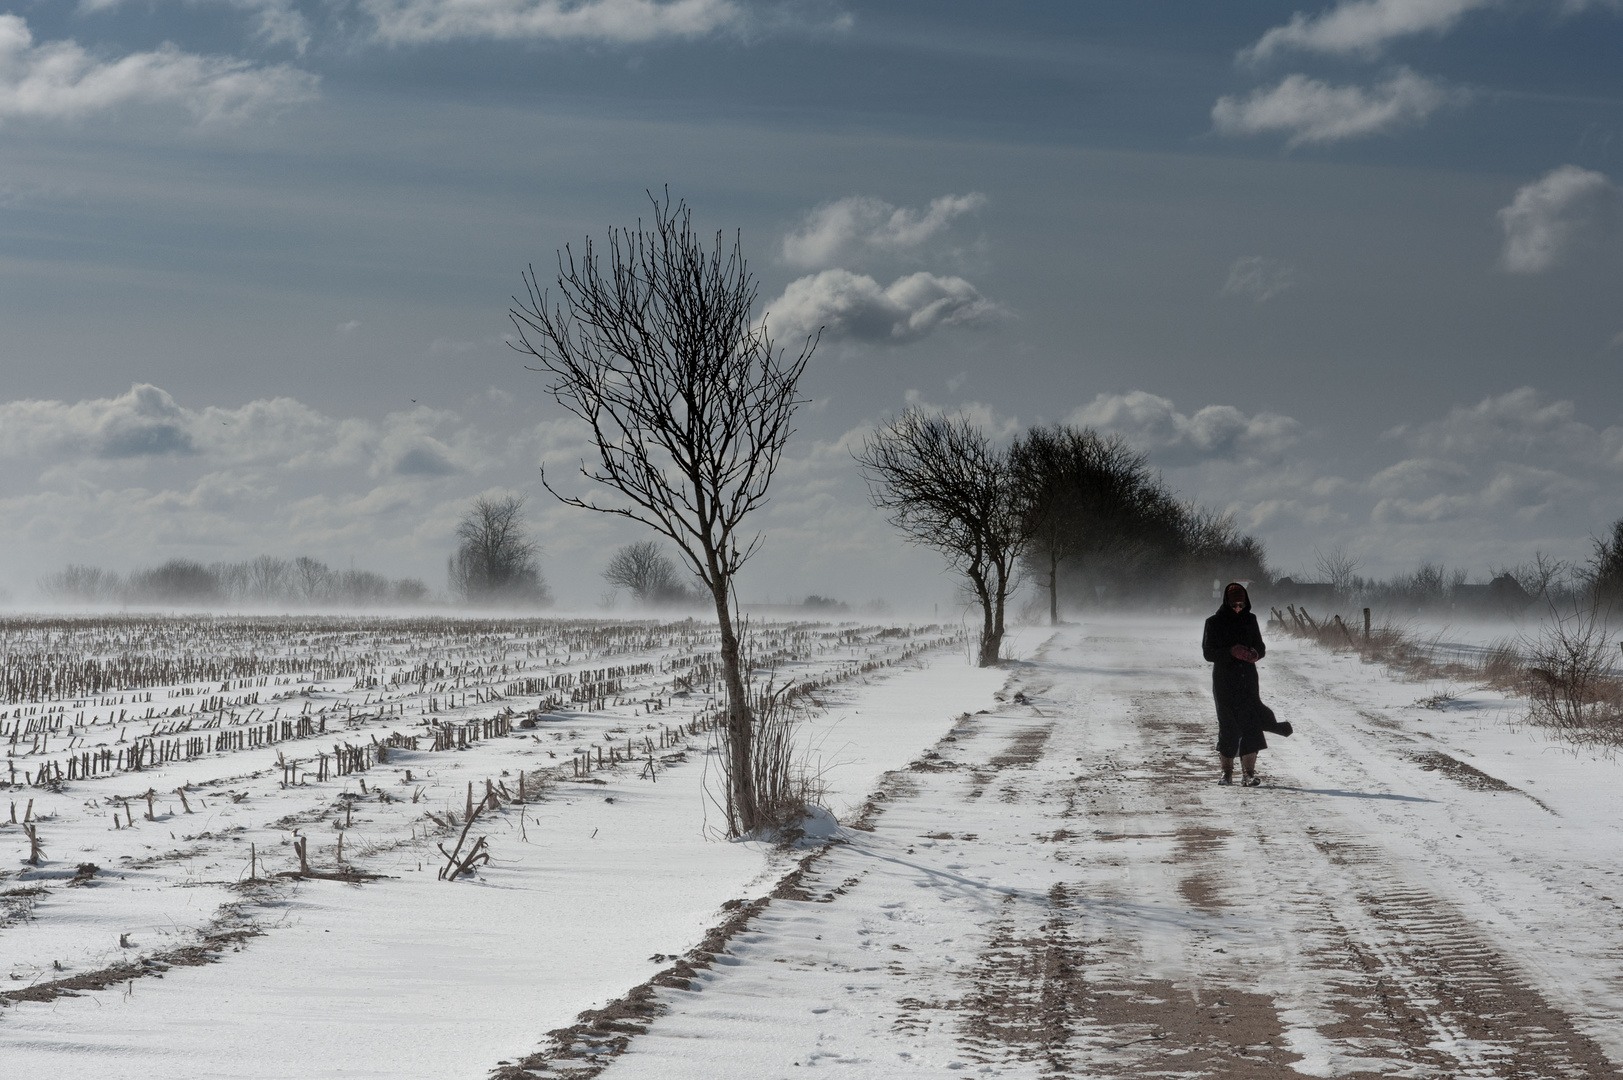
pixel 1503 595
pixel 1288 591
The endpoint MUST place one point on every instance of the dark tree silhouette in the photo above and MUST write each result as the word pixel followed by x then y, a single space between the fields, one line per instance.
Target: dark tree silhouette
pixel 1077 492
pixel 648 574
pixel 1605 571
pixel 312 580
pixel 495 561
pixel 689 405
pixel 946 486
pixel 1099 519
pixel 176 581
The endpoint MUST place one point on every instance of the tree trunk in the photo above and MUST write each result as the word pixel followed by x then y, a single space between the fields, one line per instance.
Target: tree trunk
pixel 991 629
pixel 999 600
pixel 1053 586
pixel 741 800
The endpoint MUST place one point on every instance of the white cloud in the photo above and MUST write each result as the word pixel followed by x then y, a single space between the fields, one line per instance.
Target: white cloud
pixel 1420 476
pixel 1519 424
pixel 417 22
pixel 1516 454
pixel 1521 491
pixel 1259 278
pixel 1151 422
pixel 1311 111
pixel 278 21
pixel 836 231
pixel 1361 26
pixel 1552 215
pixel 1479 485
pixel 139 477
pixel 142 423
pixel 855 306
pixel 59 80
pixel 86 438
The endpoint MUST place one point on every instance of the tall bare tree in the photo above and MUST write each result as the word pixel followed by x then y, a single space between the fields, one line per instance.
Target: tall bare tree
pixel 653 346
pixel 495 560
pixel 947 487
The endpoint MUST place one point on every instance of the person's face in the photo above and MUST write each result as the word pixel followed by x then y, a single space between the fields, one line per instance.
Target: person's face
pixel 1237 606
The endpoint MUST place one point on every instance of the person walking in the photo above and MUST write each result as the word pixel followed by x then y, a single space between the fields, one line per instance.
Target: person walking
pixel 1233 644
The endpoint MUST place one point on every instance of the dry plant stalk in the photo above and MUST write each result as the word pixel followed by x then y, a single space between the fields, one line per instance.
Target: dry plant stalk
pixel 456 863
pixel 786 786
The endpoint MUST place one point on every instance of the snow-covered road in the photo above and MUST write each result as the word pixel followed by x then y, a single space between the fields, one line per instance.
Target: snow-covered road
pixel 1060 888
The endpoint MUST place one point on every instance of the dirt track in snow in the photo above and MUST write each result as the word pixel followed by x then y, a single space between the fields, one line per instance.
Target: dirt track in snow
pixel 1060 888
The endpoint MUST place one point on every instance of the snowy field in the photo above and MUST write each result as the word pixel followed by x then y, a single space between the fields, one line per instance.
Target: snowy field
pixel 593 873
pixel 1046 882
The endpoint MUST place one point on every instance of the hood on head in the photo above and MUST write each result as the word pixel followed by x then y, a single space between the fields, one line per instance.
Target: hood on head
pixel 1232 590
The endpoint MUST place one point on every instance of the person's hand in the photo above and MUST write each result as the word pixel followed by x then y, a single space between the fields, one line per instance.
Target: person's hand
pixel 1243 652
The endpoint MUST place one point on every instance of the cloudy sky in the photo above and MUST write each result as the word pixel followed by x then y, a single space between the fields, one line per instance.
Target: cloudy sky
pixel 1351 271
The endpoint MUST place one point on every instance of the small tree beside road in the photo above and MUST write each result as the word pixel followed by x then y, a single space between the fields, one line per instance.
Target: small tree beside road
pixel 653 346
pixel 946 486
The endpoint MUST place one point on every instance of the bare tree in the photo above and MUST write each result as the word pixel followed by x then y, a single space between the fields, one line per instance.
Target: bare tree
pixel 1605 570
pixel 1543 576
pixel 689 405
pixel 361 588
pixel 312 580
pixel 947 487
pixel 408 591
pixel 1338 568
pixel 176 581
pixel 495 562
pixel 644 570
pixel 81 584
pixel 269 578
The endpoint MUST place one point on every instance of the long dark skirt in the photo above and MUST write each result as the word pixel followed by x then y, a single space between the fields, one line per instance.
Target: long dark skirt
pixel 1240 711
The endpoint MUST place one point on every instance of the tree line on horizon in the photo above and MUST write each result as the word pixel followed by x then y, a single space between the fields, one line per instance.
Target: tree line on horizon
pixel 265 580
pixel 1564 585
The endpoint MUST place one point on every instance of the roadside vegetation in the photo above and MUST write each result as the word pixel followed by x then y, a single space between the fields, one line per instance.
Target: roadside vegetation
pixel 1567 665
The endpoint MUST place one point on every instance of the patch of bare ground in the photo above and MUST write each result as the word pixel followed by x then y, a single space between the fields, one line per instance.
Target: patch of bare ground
pixel 1200 846
pixel 1469 776
pixel 229 930
pixel 1025 748
pixel 1032 999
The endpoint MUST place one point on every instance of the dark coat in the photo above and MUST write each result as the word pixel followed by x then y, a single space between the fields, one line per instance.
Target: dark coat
pixel 1241 715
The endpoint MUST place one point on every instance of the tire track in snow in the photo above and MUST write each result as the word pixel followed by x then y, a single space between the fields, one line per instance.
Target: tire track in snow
pixel 1427 993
